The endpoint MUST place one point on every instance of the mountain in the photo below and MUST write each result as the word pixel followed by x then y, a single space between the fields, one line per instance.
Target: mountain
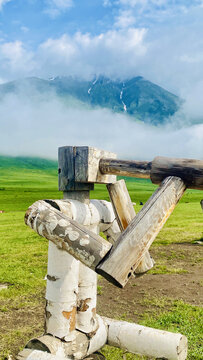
pixel 140 98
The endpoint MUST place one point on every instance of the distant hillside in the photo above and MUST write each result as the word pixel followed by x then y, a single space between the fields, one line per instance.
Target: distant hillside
pixel 30 163
pixel 137 97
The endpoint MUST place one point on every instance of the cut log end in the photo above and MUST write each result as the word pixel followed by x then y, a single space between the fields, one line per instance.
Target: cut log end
pixel 110 278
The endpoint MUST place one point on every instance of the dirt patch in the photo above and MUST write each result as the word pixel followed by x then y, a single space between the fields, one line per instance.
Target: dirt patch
pixel 134 300
pixel 18 326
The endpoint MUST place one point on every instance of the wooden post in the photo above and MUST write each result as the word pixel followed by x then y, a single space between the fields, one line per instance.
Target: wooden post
pixel 125 213
pixel 138 339
pixel 141 232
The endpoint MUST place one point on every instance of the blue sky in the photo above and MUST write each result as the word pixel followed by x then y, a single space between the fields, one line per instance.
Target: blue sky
pixel 161 40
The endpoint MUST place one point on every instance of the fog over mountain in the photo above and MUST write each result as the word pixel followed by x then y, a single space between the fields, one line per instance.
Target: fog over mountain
pixel 137 97
pixel 36 122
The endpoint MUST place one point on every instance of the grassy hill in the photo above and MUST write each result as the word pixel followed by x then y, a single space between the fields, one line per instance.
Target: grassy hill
pixel 30 163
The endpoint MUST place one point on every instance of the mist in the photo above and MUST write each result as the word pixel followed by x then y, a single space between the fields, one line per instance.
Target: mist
pixel 36 125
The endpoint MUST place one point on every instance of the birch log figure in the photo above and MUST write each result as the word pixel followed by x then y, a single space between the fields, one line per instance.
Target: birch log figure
pixel 125 213
pixel 133 243
pixel 142 340
pixel 67 234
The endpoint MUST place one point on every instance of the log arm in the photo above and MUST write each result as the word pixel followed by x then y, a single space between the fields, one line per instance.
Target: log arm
pixel 133 243
pixel 67 234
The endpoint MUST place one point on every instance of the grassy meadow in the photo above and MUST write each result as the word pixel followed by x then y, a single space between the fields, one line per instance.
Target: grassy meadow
pixel 23 258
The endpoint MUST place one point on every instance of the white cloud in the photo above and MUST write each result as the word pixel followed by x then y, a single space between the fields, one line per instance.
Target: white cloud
pixel 107 3
pixel 3 2
pixel 40 124
pixel 15 60
pixel 125 19
pixel 160 11
pixel 112 53
pixel 55 7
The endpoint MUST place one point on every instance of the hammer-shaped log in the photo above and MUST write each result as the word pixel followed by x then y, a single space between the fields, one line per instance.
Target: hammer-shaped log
pixel 125 213
pixel 78 168
pixel 189 170
pixel 133 243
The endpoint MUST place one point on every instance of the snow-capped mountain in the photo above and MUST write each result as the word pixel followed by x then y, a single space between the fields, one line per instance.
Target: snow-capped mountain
pixel 137 97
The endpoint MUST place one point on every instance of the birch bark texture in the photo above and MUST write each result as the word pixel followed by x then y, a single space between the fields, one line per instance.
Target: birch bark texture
pixel 142 340
pixel 141 232
pixel 79 209
pixel 125 213
pixel 61 294
pixel 66 233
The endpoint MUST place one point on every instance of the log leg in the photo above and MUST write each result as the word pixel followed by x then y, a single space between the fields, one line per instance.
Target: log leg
pixel 87 321
pixel 125 213
pixel 86 300
pixel 142 340
pixel 61 294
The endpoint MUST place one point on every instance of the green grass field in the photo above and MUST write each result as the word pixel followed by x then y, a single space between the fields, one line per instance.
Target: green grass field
pixel 23 255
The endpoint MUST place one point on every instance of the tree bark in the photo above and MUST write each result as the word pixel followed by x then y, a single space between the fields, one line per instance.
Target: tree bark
pixel 67 234
pixel 138 339
pixel 61 294
pixel 189 170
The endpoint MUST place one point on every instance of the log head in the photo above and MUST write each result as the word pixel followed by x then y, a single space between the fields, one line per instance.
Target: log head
pixel 79 168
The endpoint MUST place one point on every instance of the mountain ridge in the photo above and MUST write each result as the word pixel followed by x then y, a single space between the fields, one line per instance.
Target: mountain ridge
pixel 137 97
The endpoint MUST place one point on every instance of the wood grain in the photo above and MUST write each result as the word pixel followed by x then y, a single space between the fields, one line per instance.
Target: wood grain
pixel 133 243
pixel 125 213
pixel 189 170
pixel 139 169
